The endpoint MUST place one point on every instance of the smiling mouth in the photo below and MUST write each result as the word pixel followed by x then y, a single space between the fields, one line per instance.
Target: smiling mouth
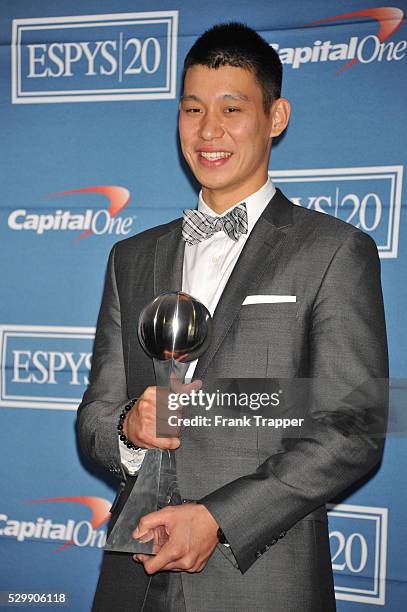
pixel 214 155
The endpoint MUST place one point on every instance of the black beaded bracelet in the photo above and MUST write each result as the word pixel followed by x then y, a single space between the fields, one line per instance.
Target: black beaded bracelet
pixel 122 416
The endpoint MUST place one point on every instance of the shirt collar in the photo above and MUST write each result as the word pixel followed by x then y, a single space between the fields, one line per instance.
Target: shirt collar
pixel 255 204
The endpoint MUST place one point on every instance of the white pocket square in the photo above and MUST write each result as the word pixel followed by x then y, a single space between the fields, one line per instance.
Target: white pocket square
pixel 269 299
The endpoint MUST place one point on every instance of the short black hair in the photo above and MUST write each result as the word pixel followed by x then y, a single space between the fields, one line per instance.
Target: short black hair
pixel 235 44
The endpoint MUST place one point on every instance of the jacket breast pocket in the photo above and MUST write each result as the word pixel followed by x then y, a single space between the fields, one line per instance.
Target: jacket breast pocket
pixel 262 336
pixel 273 313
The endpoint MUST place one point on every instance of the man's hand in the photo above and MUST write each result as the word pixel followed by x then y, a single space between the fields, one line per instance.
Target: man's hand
pixel 140 425
pixel 192 537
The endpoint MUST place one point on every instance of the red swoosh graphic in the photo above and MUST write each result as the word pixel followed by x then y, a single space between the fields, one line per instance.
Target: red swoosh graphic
pixel 119 198
pixel 99 507
pixel 390 19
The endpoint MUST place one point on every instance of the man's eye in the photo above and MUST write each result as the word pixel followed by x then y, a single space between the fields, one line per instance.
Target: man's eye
pixel 192 110
pixel 231 109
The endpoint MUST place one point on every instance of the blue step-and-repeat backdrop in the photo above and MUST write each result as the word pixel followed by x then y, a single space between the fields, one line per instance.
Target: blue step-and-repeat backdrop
pixel 89 155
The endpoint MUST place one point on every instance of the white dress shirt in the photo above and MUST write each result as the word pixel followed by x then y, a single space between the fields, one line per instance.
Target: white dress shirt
pixel 206 270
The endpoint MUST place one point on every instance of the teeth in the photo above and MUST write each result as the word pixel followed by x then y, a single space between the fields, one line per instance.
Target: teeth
pixel 215 154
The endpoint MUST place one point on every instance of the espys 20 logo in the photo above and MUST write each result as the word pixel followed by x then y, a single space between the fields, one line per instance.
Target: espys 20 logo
pixel 124 56
pixel 82 221
pixel 367 49
pixel 367 197
pixel 358 540
pixel 44 366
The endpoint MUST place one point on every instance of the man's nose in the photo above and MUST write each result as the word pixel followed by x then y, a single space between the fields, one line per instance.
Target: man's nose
pixel 210 127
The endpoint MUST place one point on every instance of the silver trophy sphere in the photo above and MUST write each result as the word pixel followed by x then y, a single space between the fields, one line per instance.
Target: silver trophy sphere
pixel 175 326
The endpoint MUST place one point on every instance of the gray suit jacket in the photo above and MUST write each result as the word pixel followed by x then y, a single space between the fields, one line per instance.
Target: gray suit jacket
pixel 266 490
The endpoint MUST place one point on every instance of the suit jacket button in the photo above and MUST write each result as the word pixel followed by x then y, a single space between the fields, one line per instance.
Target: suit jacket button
pixel 282 534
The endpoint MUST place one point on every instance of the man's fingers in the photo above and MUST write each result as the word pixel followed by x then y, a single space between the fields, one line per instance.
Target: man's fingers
pixel 141 558
pixel 146 402
pixel 170 443
pixel 146 421
pixel 168 554
pixel 150 521
pixel 149 392
pixel 183 564
pixel 160 538
pixel 178 387
pixel 149 535
pixel 195 569
pixel 166 443
pixel 195 385
pixel 142 425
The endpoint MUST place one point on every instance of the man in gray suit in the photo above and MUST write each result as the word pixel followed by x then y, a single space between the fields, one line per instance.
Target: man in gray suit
pixel 295 294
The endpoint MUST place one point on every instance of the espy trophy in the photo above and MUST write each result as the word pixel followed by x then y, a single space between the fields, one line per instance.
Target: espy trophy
pixel 174 329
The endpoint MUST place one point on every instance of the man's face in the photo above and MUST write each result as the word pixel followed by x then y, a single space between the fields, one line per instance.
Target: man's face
pixel 225 134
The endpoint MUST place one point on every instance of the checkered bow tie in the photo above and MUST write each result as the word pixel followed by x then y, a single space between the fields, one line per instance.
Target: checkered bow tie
pixel 198 226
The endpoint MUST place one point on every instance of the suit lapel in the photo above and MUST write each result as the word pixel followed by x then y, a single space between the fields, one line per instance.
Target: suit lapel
pixel 168 263
pixel 262 246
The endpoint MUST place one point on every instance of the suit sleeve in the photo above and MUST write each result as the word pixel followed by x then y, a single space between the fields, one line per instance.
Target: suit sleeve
pixel 98 414
pixel 347 413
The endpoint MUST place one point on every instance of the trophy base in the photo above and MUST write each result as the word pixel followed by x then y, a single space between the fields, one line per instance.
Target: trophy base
pixel 142 500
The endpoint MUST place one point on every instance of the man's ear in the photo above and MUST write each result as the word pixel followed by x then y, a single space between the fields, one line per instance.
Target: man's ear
pixel 280 115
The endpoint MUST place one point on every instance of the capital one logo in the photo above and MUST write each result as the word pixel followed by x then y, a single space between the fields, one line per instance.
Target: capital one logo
pixel 44 366
pixel 358 541
pixel 82 222
pixel 123 56
pixel 377 46
pixel 367 197
pixel 63 533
